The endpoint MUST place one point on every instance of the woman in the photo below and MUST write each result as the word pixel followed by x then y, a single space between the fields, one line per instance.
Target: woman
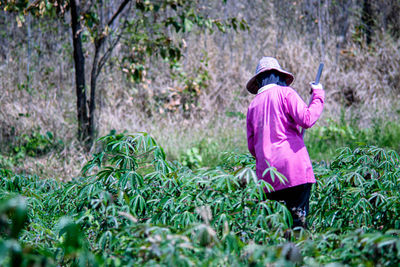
pixel 274 118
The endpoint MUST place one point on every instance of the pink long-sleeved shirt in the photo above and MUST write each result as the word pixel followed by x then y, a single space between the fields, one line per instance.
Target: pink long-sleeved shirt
pixel 274 118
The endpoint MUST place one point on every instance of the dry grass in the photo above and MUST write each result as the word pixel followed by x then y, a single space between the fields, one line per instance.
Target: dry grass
pixel 362 81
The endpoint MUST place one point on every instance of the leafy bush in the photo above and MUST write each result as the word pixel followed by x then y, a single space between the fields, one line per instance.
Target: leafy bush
pixel 34 144
pixel 192 158
pixel 359 190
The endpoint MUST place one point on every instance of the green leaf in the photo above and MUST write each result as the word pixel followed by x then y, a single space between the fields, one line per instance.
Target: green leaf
pixel 188 24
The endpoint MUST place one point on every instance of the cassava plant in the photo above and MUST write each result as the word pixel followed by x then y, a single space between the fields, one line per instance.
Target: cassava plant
pixel 132 206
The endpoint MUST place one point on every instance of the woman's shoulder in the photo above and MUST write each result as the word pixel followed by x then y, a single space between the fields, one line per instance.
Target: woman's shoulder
pixel 286 90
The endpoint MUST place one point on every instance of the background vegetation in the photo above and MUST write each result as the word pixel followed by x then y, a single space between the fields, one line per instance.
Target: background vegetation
pixel 179 74
pixel 199 101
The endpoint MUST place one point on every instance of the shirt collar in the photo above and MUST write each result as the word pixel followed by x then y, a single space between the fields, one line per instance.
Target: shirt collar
pixel 266 87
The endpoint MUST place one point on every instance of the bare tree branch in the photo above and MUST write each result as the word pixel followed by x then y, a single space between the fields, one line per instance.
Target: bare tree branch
pixel 107 54
pixel 119 10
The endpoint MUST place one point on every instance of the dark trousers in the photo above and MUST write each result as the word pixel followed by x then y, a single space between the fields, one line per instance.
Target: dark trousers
pixel 297 200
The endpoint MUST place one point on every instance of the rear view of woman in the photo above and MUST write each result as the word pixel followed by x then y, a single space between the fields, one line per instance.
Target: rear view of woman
pixel 274 118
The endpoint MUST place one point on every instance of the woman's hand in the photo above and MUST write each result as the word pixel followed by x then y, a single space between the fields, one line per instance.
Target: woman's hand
pixel 314 86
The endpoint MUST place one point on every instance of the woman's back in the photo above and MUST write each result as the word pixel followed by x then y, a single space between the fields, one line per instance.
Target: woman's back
pixel 273 121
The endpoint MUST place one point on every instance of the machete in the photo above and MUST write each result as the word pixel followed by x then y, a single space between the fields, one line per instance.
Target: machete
pixel 320 68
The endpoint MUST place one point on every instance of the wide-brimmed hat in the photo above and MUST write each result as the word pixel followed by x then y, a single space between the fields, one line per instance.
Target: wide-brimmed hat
pixel 266 64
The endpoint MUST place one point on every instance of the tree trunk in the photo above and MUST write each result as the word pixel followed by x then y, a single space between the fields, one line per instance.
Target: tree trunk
pixel 79 60
pixel 28 71
pixel 93 80
pixel 320 32
pixel 86 121
pixel 368 20
pixel 97 65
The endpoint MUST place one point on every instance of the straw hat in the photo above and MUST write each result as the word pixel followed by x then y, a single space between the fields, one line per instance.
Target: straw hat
pixel 266 64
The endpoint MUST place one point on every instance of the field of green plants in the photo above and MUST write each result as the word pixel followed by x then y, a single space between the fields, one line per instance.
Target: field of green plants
pixel 131 206
pixel 175 71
